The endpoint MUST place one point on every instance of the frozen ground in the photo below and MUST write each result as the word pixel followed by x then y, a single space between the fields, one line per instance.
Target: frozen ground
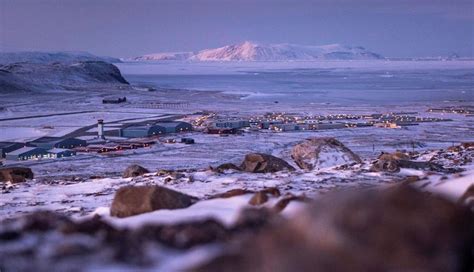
pixel 48 114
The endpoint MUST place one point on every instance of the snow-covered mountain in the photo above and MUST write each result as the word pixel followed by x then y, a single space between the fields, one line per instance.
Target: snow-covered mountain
pixel 250 51
pixel 166 56
pixel 37 77
pixel 49 57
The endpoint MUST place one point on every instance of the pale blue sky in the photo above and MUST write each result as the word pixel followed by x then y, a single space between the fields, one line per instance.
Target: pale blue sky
pixel 124 28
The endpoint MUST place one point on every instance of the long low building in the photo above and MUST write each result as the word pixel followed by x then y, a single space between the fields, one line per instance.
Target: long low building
pixel 26 153
pixel 57 142
pixel 230 124
pixel 6 147
pixel 57 153
pixel 155 129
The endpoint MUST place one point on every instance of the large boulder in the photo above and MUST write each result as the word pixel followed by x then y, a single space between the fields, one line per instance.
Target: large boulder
pixel 227 167
pixel 133 200
pixel 264 163
pixel 134 170
pixel 392 162
pixel 316 153
pixel 391 230
pixel 15 174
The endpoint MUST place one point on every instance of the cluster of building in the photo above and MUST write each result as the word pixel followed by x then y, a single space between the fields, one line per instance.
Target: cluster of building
pixel 44 147
pixel 113 146
pixel 281 122
pixel 155 129
pixel 456 110
pixel 114 100
pixel 59 147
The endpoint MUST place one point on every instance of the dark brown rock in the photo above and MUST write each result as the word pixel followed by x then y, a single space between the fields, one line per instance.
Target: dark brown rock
pixel 134 170
pixel 254 219
pixel 282 203
pixel 390 230
pixel 392 162
pixel 231 193
pixel 227 167
pixel 397 155
pixel 258 198
pixel 185 235
pixel 315 153
pixel 381 165
pixel 133 200
pixel 395 165
pixel 264 163
pixel 272 190
pixel 15 174
pixel 467 145
pixel 468 197
pixel 410 179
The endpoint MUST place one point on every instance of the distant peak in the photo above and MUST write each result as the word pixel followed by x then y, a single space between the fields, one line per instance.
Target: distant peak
pixel 255 51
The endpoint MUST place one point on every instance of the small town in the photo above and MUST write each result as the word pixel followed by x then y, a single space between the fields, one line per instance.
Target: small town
pixel 142 135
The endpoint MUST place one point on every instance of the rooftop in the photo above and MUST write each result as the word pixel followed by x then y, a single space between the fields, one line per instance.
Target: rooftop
pixel 140 127
pixel 24 150
pixel 5 144
pixel 58 150
pixel 47 139
pixel 168 124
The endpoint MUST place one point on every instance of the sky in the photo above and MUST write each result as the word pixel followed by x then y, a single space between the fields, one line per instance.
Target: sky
pixel 127 28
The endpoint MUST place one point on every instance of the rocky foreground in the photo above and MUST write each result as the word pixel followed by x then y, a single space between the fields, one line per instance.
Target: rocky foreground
pixel 328 210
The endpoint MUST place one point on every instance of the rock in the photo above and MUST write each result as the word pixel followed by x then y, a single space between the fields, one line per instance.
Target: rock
pixel 231 193
pixel 282 203
pixel 468 197
pixel 185 235
pixel 316 153
pixel 456 148
pixel 372 230
pixel 393 162
pixel 15 174
pixel 272 190
pixel 467 145
pixel 397 155
pixel 133 200
pixel 410 179
pixel 134 170
pixel 258 198
pixel 254 219
pixel 264 163
pixel 227 167
pixel 172 174
pixel 381 165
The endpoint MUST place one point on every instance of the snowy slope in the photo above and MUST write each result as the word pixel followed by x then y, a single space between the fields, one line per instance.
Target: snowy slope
pixel 250 51
pixel 48 57
pixel 26 76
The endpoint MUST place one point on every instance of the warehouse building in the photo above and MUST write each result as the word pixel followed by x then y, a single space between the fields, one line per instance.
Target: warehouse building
pixel 155 129
pixel 56 153
pixel 230 124
pixel 175 127
pixel 6 147
pixel 328 126
pixel 26 153
pixel 57 142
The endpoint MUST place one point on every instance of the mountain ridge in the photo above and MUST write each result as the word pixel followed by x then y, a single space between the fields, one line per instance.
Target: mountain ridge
pixel 45 57
pixel 252 51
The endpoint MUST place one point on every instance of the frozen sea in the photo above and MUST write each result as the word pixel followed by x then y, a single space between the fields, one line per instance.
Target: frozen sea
pixel 333 82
